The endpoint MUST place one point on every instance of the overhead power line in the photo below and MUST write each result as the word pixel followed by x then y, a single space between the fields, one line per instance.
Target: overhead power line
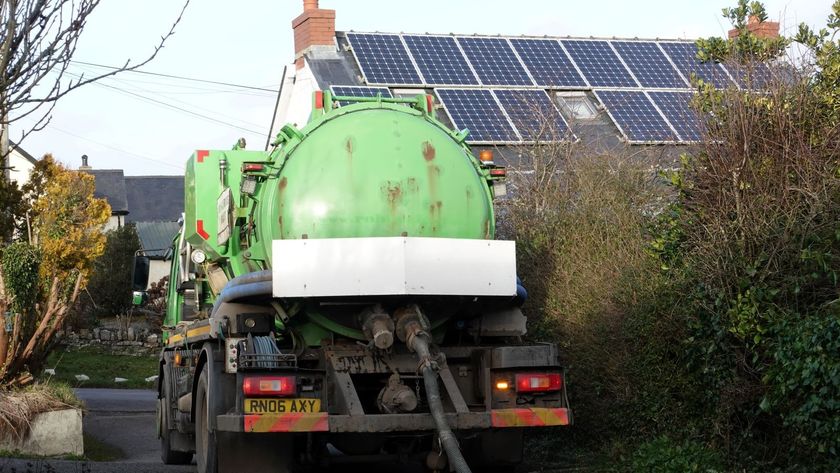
pixel 115 148
pixel 175 107
pixel 173 76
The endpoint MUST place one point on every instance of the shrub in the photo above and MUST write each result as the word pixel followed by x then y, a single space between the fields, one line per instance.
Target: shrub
pixel 109 290
pixel 664 455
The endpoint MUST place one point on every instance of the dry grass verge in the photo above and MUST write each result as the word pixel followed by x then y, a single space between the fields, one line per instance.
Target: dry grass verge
pixel 19 407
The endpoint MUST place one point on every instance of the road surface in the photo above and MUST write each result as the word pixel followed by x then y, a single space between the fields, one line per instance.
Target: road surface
pixel 125 419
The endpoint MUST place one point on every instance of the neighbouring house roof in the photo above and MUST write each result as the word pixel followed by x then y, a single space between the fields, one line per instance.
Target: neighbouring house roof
pixel 22 152
pixel 156 236
pixel 110 185
pixel 154 198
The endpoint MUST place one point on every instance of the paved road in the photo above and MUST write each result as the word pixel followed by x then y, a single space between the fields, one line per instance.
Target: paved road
pixel 124 418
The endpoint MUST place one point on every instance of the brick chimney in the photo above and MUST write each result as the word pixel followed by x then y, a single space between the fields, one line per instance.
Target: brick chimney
pixel 762 29
pixel 314 27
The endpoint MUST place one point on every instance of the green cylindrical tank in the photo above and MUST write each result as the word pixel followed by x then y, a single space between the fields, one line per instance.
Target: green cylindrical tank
pixel 374 169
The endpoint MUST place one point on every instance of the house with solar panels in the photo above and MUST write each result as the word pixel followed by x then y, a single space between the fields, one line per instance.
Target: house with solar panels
pixel 507 91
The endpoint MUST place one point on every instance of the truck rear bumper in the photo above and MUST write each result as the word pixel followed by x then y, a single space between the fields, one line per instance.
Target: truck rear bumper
pixel 380 423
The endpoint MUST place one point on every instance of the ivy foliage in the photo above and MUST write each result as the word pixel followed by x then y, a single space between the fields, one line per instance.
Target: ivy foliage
pixel 20 263
pixel 12 210
pixel 750 250
pixel 664 455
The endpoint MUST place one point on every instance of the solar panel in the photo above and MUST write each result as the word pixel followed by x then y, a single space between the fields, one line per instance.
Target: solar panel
pixel 533 114
pixel 599 63
pixel 549 65
pixel 755 76
pixel 676 108
pixel 494 61
pixel 440 61
pixel 684 56
pixel 649 64
pixel 635 116
pixel 478 111
pixel 383 59
pixel 358 91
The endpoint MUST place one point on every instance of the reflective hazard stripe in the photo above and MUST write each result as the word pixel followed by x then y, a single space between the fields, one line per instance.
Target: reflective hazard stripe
pixel 317 422
pixel 533 417
pixel 179 337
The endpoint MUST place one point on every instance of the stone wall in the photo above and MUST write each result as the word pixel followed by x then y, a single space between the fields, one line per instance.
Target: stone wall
pixel 115 337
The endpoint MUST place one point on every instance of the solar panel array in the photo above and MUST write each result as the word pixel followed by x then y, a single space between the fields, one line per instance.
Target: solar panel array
pixel 478 111
pixel 675 107
pixel 643 84
pixel 599 64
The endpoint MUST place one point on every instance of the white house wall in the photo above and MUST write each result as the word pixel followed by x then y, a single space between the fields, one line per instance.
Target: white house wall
pixel 22 167
pixel 295 103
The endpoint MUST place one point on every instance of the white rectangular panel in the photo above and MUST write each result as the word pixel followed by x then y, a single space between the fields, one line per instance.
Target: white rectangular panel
pixel 393 266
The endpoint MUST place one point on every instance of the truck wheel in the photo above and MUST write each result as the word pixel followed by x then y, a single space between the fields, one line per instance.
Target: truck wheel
pixel 205 440
pixel 168 455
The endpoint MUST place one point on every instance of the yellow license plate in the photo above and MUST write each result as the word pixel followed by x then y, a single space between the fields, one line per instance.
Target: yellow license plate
pixel 282 406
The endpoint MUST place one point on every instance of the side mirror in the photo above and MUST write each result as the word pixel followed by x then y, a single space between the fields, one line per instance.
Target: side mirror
pixel 140 273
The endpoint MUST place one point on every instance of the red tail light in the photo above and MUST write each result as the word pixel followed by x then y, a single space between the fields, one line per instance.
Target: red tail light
pixel 270 386
pixel 252 167
pixel 538 382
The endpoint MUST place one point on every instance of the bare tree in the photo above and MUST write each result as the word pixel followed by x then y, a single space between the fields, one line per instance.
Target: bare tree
pixel 38 40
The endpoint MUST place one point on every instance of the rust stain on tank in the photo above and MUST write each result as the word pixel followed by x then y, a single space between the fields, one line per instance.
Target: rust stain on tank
pixel 433 176
pixel 281 202
pixel 393 193
pixel 428 151
pixel 487 229
pixel 348 145
pixel 411 185
pixel 435 214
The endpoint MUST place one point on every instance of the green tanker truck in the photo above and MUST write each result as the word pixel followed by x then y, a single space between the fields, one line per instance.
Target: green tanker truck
pixel 342 299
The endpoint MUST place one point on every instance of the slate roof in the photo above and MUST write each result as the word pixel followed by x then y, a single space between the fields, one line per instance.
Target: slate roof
pixel 110 185
pixel 154 198
pixel 156 235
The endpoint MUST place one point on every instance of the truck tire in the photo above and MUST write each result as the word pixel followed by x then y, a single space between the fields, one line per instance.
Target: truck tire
pixel 206 457
pixel 168 455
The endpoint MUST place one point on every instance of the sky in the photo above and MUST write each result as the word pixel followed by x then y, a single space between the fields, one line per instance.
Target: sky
pixel 149 125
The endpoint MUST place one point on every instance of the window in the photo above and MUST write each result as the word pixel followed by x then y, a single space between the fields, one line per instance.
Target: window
pixel 576 105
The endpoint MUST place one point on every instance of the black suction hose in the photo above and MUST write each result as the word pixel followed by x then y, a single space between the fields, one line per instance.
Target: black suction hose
pixel 430 379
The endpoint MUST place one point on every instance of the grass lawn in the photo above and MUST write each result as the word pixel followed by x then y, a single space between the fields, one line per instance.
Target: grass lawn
pixel 101 368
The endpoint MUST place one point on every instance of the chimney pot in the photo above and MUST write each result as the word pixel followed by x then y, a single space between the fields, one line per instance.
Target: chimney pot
pixel 310 5
pixel 84 160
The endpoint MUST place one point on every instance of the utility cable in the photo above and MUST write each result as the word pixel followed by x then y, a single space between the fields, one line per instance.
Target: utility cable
pixel 173 76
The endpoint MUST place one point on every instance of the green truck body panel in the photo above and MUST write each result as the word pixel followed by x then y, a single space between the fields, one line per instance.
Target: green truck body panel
pixel 373 168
